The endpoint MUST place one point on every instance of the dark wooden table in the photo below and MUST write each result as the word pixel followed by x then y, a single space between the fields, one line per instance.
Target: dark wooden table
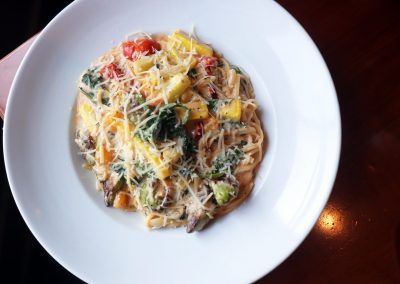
pixel 357 237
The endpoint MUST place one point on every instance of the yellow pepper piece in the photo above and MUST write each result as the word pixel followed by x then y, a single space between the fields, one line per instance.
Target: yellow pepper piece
pixel 176 86
pixel 188 43
pixel 144 63
pixel 163 171
pixel 231 111
pixel 88 116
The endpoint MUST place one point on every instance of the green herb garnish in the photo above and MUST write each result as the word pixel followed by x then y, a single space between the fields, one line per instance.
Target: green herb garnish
pixel 225 164
pixel 91 78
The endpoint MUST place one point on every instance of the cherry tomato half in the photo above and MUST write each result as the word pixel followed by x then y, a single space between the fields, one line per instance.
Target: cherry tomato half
pixel 147 46
pixel 208 62
pixel 141 46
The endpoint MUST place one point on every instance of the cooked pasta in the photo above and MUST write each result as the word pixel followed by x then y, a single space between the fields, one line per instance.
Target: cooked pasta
pixel 170 130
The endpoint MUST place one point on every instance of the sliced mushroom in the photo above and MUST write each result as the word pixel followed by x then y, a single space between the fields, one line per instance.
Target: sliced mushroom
pixel 85 143
pixel 197 217
pixel 111 187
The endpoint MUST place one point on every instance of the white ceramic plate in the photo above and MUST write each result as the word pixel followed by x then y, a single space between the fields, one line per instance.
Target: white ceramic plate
pixel 57 198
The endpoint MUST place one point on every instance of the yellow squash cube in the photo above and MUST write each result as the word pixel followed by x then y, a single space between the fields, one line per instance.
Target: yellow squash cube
pixel 144 148
pixel 176 86
pixel 189 43
pixel 198 110
pixel 231 111
pixel 189 61
pixel 144 63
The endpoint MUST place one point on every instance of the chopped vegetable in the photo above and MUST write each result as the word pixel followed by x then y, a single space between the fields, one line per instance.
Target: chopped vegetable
pixel 111 186
pixel 208 63
pixel 103 155
pixel 189 43
pixel 147 46
pixel 162 171
pixel 92 97
pixel 223 192
pixel 165 125
pixel 128 49
pixel 231 110
pixel 144 63
pixel 111 71
pixel 122 200
pixel 177 85
pixel 198 110
pixel 146 198
pixel 140 47
pixel 91 78
pixel 197 217
pixel 224 164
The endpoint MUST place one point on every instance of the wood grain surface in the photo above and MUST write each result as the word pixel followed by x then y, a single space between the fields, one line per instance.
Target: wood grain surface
pixel 357 237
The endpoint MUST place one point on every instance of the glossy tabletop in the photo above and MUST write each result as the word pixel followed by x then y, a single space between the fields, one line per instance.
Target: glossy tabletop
pixel 357 237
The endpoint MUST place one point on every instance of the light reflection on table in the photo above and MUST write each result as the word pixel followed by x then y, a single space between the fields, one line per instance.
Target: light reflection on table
pixel 332 221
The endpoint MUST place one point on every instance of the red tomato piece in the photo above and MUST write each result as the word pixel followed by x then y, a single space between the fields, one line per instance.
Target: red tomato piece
pixel 128 49
pixel 208 62
pixel 141 46
pixel 147 46
pixel 111 71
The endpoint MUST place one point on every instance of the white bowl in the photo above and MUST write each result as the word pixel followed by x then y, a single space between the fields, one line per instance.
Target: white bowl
pixel 57 199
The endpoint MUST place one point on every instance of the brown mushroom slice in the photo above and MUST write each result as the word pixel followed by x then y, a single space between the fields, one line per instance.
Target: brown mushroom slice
pixel 197 217
pixel 111 187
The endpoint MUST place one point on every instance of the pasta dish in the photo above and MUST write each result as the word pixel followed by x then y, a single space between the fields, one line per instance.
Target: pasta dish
pixel 170 129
